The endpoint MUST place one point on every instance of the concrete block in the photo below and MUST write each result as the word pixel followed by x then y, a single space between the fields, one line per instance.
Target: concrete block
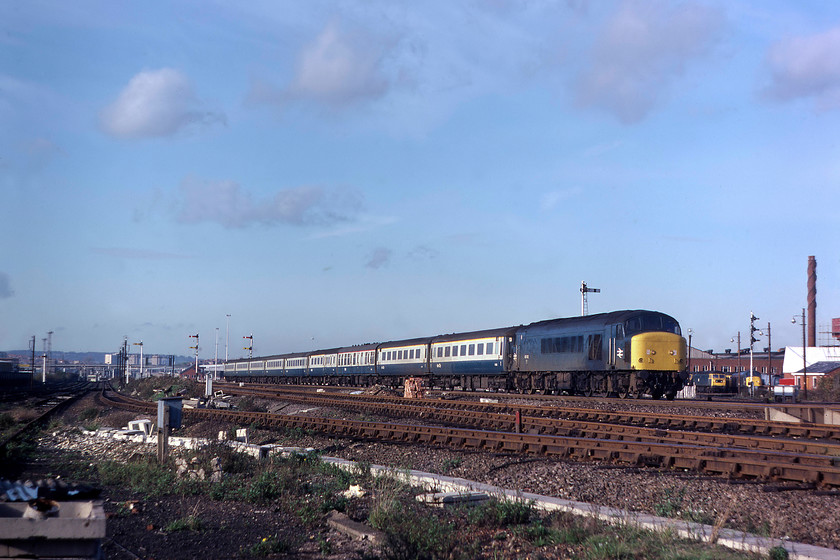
pixel 359 531
pixel 444 499
pixel 73 520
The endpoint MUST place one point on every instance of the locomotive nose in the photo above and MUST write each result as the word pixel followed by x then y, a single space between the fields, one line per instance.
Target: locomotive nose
pixel 658 351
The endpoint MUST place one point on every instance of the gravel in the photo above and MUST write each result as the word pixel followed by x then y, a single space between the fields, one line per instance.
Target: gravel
pixel 786 512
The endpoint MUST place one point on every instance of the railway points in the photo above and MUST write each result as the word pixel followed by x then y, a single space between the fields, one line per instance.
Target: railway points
pixel 717 456
pixel 522 462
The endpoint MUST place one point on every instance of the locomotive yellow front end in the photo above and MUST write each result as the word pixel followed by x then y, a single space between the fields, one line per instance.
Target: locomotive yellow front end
pixel 659 359
pixel 658 351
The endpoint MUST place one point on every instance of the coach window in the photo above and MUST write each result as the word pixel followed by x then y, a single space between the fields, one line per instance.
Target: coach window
pixel 447 351
pixel 480 349
pixel 472 350
pixel 489 347
pixel 463 349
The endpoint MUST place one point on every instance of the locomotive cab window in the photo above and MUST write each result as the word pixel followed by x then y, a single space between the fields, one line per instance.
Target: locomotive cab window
pixel 651 322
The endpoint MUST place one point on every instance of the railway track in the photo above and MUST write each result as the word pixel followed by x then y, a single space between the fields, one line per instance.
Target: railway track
pixel 718 457
pixel 547 419
pixel 48 405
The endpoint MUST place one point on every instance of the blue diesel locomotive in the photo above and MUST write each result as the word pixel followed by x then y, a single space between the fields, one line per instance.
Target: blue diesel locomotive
pixel 624 353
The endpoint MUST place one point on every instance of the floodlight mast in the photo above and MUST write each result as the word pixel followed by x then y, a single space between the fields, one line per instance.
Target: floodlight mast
pixel 584 304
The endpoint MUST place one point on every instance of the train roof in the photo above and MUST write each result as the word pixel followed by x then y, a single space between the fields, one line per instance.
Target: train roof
pixel 600 319
pixel 487 333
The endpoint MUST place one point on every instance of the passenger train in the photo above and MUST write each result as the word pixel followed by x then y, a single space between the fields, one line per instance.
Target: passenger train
pixel 624 353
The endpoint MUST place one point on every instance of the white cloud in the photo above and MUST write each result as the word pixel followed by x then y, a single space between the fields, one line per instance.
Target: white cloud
pixel 808 66
pixel 643 48
pixel 228 204
pixel 155 103
pixel 337 69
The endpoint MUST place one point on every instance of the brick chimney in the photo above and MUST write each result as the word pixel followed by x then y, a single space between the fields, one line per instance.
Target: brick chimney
pixel 812 301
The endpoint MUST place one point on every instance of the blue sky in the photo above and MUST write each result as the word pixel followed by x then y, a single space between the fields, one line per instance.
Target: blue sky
pixel 331 173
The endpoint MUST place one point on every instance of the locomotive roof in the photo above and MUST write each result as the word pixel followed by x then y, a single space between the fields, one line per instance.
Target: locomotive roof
pixel 599 319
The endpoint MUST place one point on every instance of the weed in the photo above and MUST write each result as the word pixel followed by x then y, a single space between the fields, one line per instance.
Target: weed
pixel 607 546
pixel 502 513
pixel 6 421
pixel 189 523
pixel 450 464
pixel 671 503
pixel 146 476
pixel 268 545
pixel 778 553
pixel 758 527
pixel 89 414
pixel 410 534
pixel 249 404
pixel 265 487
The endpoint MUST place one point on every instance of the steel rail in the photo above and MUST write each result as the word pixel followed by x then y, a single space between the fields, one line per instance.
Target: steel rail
pixel 53 405
pixel 563 427
pixel 752 427
pixel 736 462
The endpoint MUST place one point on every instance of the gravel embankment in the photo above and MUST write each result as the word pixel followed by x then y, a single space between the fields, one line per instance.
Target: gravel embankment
pixel 773 510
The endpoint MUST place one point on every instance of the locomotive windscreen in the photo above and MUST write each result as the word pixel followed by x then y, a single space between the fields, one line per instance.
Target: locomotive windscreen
pixel 648 322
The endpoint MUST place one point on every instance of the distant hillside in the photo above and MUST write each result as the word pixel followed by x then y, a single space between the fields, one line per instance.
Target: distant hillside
pixel 83 357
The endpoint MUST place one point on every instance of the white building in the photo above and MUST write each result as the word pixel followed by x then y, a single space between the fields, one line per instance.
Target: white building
pixel 793 363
